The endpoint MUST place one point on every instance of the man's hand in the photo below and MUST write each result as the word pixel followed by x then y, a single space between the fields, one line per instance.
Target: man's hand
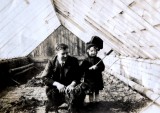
pixel 60 87
pixel 93 67
pixel 70 87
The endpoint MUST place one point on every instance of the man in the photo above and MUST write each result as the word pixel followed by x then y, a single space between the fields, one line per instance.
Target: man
pixel 61 75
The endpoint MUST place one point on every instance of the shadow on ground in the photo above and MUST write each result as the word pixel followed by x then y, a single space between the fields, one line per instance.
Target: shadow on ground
pixel 112 107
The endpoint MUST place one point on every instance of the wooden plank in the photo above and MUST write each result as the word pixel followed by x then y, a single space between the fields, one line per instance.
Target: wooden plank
pixel 117 36
pixel 111 38
pixel 21 68
pixel 146 12
pixel 107 24
pixel 25 22
pixel 139 19
pixel 154 3
pixel 22 72
pixel 79 19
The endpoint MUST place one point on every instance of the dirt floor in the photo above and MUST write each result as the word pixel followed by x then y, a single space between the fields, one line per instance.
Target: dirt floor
pixel 30 98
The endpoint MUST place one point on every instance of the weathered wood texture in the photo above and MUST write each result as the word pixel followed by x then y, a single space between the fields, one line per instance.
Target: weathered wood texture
pixel 61 35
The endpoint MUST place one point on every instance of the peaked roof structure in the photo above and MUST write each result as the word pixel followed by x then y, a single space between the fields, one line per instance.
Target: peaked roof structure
pixel 130 27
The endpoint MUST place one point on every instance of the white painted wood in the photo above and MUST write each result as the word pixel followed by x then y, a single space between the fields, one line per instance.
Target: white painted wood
pixel 139 19
pixel 127 2
pixel 154 3
pixel 24 25
pixel 107 16
pixel 114 27
pixel 143 9
pixel 151 109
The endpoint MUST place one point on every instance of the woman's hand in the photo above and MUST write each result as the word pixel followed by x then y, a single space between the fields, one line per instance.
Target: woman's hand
pixel 93 67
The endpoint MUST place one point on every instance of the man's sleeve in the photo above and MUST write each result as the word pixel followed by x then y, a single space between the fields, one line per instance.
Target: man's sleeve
pixel 83 69
pixel 47 74
pixel 77 75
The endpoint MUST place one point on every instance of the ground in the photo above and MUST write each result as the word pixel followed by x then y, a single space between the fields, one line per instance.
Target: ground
pixel 116 97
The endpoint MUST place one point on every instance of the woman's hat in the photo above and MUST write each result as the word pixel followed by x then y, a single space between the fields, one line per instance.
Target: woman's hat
pixel 95 41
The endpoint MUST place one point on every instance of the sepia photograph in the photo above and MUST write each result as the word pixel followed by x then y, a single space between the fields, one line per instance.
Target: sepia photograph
pixel 79 56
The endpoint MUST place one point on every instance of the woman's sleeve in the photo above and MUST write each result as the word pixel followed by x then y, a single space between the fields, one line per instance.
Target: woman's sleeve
pixel 101 66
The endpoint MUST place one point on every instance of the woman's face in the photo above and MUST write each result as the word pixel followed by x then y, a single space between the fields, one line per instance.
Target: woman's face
pixel 92 51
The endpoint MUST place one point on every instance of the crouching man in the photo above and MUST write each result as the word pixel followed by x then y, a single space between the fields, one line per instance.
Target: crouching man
pixel 61 75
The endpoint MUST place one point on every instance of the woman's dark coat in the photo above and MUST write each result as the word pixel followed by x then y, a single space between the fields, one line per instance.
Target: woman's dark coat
pixel 93 77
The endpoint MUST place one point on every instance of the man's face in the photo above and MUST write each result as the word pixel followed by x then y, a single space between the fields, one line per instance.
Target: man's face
pixel 92 51
pixel 62 54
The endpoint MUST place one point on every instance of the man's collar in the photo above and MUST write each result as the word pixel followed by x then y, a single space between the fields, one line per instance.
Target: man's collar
pixel 60 61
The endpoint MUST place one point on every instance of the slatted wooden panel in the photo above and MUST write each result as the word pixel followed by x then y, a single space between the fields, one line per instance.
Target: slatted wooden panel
pixel 24 24
pixel 61 35
pixel 131 27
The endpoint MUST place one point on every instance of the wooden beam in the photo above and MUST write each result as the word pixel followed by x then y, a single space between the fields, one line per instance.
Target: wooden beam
pixel 21 68
pixel 21 72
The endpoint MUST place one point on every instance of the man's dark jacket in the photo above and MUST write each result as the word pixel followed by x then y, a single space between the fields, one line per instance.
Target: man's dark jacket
pixel 53 71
